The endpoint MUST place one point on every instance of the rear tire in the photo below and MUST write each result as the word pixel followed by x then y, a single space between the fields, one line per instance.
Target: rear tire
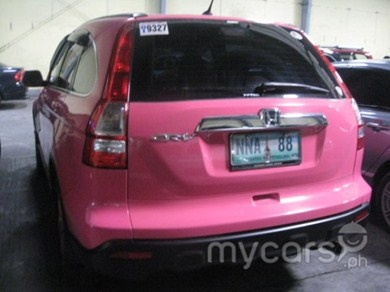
pixel 72 271
pixel 38 157
pixel 68 257
pixel 383 199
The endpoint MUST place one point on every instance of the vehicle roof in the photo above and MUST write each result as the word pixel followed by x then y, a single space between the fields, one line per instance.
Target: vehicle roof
pixel 383 64
pixel 162 17
pixel 144 16
pixel 345 49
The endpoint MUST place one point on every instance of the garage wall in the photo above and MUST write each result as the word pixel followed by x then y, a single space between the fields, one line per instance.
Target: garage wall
pixel 362 23
pixel 31 29
pixel 265 10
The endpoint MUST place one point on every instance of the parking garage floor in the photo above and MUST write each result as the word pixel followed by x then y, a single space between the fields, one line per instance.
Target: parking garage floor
pixel 29 253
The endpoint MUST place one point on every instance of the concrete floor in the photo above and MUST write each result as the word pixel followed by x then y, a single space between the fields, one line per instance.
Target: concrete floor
pixel 29 253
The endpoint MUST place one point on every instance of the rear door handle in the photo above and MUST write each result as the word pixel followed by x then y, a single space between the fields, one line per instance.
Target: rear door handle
pixel 378 127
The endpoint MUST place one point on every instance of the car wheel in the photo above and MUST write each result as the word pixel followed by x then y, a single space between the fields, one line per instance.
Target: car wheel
pixel 70 266
pixel 38 158
pixel 383 194
pixel 74 275
pixel 67 257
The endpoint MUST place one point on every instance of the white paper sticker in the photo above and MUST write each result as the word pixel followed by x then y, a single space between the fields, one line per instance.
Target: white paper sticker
pixel 153 28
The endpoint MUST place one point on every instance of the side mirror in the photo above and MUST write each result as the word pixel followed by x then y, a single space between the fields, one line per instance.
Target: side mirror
pixel 33 78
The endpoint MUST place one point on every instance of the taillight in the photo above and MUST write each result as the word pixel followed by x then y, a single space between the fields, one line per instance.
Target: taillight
pixel 18 76
pixel 360 134
pixel 106 141
pixel 105 145
pixel 360 142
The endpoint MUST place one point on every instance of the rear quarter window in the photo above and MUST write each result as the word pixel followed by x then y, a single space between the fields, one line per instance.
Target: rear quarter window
pixel 74 66
pixel 86 72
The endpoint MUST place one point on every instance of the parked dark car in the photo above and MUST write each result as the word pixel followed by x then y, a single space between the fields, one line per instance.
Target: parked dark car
pixel 337 53
pixel 10 85
pixel 369 83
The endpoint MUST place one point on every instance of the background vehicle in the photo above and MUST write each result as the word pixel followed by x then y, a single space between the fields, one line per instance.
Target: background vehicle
pixel 162 135
pixel 10 85
pixel 369 83
pixel 337 53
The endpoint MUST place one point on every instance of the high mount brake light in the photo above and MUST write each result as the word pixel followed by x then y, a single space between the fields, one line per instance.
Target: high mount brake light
pixel 106 141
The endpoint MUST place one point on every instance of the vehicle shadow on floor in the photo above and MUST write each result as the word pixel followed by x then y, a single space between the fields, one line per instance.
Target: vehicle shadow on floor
pixel 27 253
pixel 12 105
pixel 46 208
pixel 259 277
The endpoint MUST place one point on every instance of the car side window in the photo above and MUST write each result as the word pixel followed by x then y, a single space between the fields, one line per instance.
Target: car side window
pixel 368 86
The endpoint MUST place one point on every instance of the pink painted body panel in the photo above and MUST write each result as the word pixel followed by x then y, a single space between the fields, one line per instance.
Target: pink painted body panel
pixel 232 213
pixel 186 189
pixel 94 200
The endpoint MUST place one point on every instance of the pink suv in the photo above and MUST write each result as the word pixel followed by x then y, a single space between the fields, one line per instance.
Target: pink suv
pixel 164 134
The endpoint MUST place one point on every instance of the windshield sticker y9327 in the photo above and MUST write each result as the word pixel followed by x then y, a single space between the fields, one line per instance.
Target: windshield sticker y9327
pixel 153 28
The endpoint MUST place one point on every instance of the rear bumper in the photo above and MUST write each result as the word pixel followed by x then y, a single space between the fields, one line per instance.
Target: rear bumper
pixel 17 92
pixel 138 258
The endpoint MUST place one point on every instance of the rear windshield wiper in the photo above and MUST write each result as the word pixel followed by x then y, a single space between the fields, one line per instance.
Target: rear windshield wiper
pixel 271 88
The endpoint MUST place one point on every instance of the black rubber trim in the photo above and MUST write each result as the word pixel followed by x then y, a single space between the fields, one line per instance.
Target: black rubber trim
pixel 184 254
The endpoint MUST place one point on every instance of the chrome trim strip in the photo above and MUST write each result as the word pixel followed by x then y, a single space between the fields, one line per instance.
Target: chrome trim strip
pixel 172 137
pixel 378 127
pixel 254 122
pixel 245 123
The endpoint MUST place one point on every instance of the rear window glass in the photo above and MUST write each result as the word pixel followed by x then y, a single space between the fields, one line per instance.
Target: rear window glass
pixel 208 60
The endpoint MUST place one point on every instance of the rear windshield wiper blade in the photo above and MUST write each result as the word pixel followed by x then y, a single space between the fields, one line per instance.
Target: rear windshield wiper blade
pixel 270 88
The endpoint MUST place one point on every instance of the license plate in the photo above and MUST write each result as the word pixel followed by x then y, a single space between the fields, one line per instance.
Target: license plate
pixel 266 149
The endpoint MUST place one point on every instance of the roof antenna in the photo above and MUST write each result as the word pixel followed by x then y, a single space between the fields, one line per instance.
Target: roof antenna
pixel 208 11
